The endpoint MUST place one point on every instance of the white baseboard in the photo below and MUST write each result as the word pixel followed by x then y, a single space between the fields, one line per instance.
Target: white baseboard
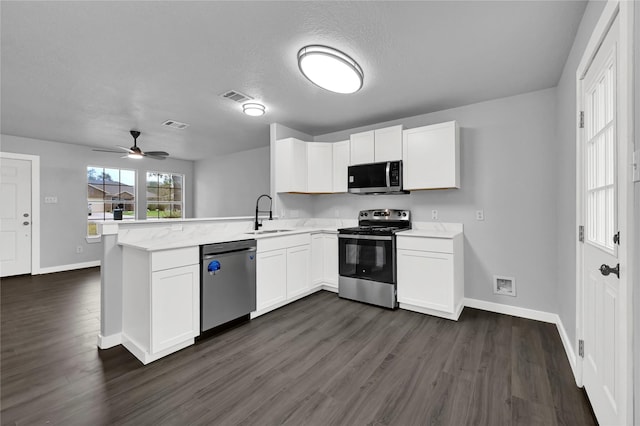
pixel 534 315
pixel 568 348
pixel 330 288
pixel 70 267
pixel 106 342
pixel 511 310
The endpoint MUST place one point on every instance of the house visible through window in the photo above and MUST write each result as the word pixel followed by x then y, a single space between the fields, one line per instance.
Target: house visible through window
pixel 111 194
pixel 164 195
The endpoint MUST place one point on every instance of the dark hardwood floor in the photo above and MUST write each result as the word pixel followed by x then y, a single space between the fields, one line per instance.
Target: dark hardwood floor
pixel 319 361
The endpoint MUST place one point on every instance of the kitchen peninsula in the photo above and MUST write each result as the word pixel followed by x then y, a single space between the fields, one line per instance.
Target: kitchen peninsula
pixel 150 285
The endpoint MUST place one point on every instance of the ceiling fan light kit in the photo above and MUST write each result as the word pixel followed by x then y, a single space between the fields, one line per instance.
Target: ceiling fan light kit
pixel 330 69
pixel 253 109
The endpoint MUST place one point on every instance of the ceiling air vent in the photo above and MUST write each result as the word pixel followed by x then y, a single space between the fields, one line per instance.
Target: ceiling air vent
pixel 175 124
pixel 234 95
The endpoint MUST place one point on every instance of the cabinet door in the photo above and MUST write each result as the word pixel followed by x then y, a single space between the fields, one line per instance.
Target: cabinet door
pixel 362 147
pixel 175 306
pixel 319 167
pixel 317 259
pixel 271 278
pixel 431 157
pixel 298 277
pixel 291 165
pixel 388 144
pixel 425 279
pixel 330 260
pixel 340 166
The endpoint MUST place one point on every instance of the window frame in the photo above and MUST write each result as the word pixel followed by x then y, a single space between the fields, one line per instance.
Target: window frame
pixel 182 198
pixel 104 202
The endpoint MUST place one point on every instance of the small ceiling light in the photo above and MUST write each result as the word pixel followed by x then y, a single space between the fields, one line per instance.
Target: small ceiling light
pixel 330 69
pixel 135 155
pixel 253 109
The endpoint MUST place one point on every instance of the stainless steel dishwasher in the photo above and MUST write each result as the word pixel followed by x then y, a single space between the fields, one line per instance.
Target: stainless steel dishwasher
pixel 227 282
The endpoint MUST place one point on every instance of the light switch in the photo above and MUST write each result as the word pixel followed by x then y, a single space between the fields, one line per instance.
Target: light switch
pixel 51 200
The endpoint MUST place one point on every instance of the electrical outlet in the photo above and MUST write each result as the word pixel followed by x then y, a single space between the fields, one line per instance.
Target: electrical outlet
pixel 479 214
pixel 636 166
pixel 434 214
pixel 79 249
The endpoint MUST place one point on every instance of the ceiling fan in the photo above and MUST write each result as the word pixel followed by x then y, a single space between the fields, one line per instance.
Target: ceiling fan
pixel 135 152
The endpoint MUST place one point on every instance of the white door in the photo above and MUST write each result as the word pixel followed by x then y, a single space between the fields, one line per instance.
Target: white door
pixel 603 296
pixel 15 217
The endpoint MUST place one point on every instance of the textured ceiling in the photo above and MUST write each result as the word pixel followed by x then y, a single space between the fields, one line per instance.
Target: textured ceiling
pixel 88 72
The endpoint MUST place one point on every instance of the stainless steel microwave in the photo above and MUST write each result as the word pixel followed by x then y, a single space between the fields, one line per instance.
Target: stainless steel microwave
pixel 376 178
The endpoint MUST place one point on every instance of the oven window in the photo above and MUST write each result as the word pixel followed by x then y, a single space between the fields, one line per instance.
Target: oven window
pixel 367 259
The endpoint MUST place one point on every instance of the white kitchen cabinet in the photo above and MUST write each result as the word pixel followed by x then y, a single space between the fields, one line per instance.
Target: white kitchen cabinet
pixel 324 266
pixel 340 166
pixel 291 165
pixel 431 157
pixel 388 144
pixel 282 271
pixel 362 148
pixel 377 145
pixel 320 167
pixel 271 283
pixel 161 301
pixel 431 275
pixel 298 278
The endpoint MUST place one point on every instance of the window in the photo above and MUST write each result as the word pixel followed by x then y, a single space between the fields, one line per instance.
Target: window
pixel 110 192
pixel 164 195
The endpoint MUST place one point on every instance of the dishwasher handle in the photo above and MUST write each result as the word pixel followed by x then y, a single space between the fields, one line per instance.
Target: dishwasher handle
pixel 217 254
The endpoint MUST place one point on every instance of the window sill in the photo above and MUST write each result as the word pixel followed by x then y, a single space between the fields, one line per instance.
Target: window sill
pixel 92 239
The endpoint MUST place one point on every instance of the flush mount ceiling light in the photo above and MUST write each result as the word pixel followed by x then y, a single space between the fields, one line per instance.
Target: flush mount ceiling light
pixel 330 69
pixel 253 109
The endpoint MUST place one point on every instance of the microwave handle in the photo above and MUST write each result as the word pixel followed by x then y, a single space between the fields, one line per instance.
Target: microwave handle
pixel 388 174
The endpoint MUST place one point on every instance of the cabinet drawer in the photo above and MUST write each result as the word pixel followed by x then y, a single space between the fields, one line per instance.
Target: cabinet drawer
pixel 276 243
pixel 174 258
pixel 439 245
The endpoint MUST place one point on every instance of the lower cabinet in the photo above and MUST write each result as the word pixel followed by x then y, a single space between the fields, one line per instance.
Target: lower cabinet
pixel 431 275
pixel 282 271
pixel 161 301
pixel 324 267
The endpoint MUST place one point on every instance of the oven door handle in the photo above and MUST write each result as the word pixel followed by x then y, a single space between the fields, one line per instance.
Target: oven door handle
pixel 366 237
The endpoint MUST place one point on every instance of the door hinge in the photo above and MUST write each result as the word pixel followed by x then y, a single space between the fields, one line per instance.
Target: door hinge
pixel 581 348
pixel 616 238
pixel 581 233
pixel 582 119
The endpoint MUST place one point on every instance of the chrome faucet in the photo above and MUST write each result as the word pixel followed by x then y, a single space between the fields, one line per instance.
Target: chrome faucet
pixel 257 225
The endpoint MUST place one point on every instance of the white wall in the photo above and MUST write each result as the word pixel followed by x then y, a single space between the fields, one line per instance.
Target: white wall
pixel 565 150
pixel 229 185
pixel 63 174
pixel 508 170
pixel 636 285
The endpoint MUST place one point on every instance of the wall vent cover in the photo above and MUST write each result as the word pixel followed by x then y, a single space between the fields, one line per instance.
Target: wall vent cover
pixel 236 96
pixel 504 285
pixel 175 124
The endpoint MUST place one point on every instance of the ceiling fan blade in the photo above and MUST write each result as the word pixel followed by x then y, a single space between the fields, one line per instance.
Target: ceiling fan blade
pixel 107 150
pixel 126 149
pixel 157 153
pixel 155 157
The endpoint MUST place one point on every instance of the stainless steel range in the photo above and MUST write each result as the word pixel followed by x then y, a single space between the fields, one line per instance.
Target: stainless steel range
pixel 367 257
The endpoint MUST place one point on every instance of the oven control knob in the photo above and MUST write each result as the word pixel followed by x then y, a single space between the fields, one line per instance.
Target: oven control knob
pixel 399 213
pixel 404 213
pixel 366 214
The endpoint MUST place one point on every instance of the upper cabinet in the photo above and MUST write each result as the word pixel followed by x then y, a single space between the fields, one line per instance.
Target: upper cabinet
pixel 340 165
pixel 319 167
pixel 431 157
pixel 377 145
pixel 291 165
pixel 362 147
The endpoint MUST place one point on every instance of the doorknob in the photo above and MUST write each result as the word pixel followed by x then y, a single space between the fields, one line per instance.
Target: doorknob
pixel 606 270
pixel 25 223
